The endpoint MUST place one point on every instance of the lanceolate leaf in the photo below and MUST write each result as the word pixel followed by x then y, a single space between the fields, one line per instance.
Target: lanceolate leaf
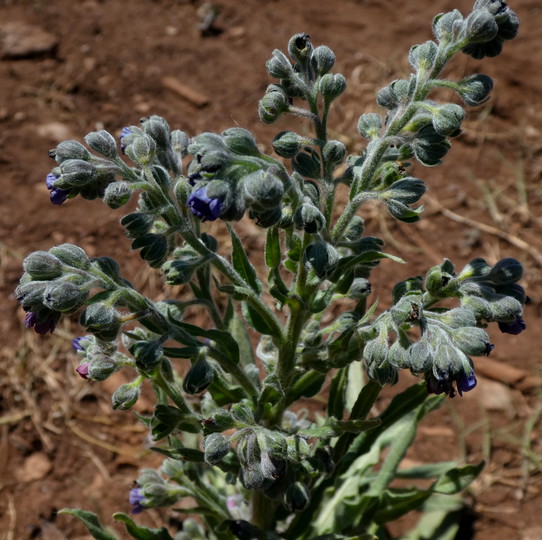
pixel 242 264
pixel 92 523
pixel 139 532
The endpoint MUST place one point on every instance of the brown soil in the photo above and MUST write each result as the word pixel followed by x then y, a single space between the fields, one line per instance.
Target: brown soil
pixel 60 443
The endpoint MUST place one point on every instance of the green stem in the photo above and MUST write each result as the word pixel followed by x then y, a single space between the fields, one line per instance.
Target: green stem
pixel 172 391
pixel 233 369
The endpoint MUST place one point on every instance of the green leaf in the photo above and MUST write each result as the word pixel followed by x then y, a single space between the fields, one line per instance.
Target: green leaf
pixel 242 264
pixel 92 523
pixel 334 427
pixel 140 532
pixel 397 503
pixel 239 333
pixel 255 320
pixel 223 394
pixel 337 394
pixel 184 454
pixel 272 248
pixel 181 352
pixel 457 479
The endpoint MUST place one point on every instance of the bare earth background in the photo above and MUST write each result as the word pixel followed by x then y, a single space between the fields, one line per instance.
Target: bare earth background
pixel 67 68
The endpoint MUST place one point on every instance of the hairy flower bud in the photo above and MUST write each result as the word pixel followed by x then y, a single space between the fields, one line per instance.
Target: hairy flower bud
pixel 369 125
pixel 322 59
pixel 300 48
pixel 480 26
pixel 71 255
pixel 307 165
pixel 309 218
pixel 474 90
pixel 472 341
pixel 42 265
pixel 447 119
pixel 125 396
pixel 334 152
pixel 322 257
pixel 241 141
pixel 64 296
pixel 279 66
pixel 262 190
pixel 287 144
pixel 216 447
pixel 446 26
pixel 199 376
pixel 332 86
pixel 69 150
pixel 272 105
pixel 147 354
pixel 157 127
pixel 102 142
pixel 141 149
pixel 76 173
pixel 179 143
pixel 180 271
pixel 296 497
pixel 505 271
pixel 102 320
pixel 101 367
pixel 422 56
pixel 117 194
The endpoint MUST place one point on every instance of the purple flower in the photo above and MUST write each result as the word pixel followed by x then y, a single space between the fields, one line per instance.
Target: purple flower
pixel 57 195
pixel 445 385
pixel 136 497
pixel 515 327
pixel 204 207
pixel 82 369
pixel 125 131
pixel 41 324
pixel 77 343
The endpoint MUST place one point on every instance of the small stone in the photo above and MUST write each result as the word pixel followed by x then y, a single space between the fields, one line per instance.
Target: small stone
pixel 20 40
pixel 35 467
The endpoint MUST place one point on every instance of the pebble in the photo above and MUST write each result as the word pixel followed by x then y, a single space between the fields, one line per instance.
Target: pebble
pixel 20 40
pixel 35 467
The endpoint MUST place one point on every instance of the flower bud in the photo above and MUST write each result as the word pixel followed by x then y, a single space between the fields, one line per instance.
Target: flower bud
pixel 396 92
pixel 447 119
pixel 42 265
pixel 220 420
pixel 279 66
pixel 300 48
pixel 307 165
pixel 272 105
pixel 355 228
pixel 199 376
pixel 125 396
pixel 102 320
pixel 147 354
pixel 360 288
pixel 472 341
pixel 369 125
pixel 71 255
pixel 287 144
pixel 266 218
pixel 157 127
pixel 505 308
pixel 406 191
pixel 296 497
pixel 322 59
pixel 309 218
pixel 102 142
pixel 64 296
pixel 334 152
pixel 180 271
pixel 419 357
pixel 241 141
pixel 476 268
pixel 108 266
pixel 440 283
pixel 262 190
pixel 137 224
pixel 179 143
pixel 421 57
pixel 475 90
pixel 322 257
pixel 505 271
pixel 117 194
pixel 141 150
pixel 447 26
pixel 408 310
pixel 332 86
pixel 69 150
pixel 480 26
pixel 77 173
pixel 100 367
pixel 216 447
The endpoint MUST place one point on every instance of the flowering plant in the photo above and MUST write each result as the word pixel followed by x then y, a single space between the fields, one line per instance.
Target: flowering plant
pixel 236 444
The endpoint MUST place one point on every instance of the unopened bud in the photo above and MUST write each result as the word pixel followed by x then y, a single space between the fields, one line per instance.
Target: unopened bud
pixel 70 150
pixel 102 142
pixel 322 59
pixel 125 396
pixel 71 255
pixel 42 265
pixel 216 447
pixel 199 376
pixel 332 86
pixel 117 194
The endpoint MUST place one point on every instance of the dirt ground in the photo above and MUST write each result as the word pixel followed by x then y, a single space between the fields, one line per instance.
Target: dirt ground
pixel 67 68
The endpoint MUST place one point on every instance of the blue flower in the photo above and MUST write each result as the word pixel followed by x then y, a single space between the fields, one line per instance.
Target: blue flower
pixel 41 324
pixel 57 195
pixel 515 327
pixel 77 343
pixel 445 385
pixel 136 497
pixel 125 131
pixel 202 206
